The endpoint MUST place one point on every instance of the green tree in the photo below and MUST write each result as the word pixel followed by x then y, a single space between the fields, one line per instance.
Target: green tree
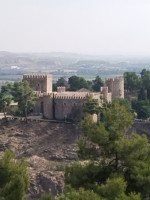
pixel 83 83
pixel 123 102
pixel 14 180
pixel 24 95
pixel 131 81
pixel 91 106
pixel 5 98
pixel 110 156
pixel 90 83
pixel 61 82
pixel 145 90
pixel 74 83
pixel 142 108
pixel 81 194
pixel 97 83
pixel 77 83
pixel 113 189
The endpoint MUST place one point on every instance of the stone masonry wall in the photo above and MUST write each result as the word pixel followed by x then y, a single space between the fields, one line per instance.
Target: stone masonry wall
pixel 44 106
pixel 69 108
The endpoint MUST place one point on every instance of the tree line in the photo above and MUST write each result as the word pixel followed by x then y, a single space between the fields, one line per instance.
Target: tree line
pixel 75 83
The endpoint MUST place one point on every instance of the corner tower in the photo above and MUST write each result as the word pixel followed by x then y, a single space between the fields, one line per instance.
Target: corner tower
pixel 39 82
pixel 116 87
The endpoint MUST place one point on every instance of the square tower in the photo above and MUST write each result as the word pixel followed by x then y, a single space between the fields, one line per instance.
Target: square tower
pixel 39 82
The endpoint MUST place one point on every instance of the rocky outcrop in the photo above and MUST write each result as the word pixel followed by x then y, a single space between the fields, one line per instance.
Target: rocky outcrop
pixel 44 177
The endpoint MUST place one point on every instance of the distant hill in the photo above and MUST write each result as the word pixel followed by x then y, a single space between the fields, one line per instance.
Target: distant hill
pixel 67 64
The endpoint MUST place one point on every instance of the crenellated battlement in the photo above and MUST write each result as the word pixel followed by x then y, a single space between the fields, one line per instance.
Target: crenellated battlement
pixel 44 94
pixel 70 97
pixel 36 76
pixel 109 79
pixel 57 96
pixel 114 79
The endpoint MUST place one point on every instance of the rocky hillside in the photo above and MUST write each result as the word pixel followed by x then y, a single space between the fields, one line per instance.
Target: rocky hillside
pixel 48 147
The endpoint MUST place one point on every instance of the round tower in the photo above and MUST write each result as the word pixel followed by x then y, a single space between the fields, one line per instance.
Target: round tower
pixel 118 88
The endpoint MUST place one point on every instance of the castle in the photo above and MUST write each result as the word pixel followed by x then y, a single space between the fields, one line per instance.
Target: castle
pixel 69 104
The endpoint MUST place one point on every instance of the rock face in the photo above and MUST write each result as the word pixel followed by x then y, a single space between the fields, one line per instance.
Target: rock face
pixel 47 147
pixel 44 177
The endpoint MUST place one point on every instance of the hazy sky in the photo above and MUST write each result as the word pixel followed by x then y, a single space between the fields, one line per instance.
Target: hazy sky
pixel 81 26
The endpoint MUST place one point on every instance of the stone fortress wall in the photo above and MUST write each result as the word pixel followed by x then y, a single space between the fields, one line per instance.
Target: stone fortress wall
pixel 69 104
pixel 69 107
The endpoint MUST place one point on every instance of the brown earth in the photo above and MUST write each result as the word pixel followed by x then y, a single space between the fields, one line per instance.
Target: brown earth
pixel 48 147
